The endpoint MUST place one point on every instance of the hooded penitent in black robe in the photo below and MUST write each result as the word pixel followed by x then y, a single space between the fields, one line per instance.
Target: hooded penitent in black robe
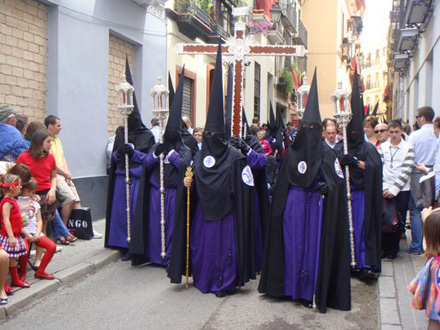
pixel 366 188
pixel 146 241
pixel 222 230
pixel 307 243
pixel 140 137
pixel 257 162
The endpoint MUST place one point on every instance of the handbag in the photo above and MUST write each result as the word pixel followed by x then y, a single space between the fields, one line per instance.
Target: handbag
pixel 80 223
pixel 390 216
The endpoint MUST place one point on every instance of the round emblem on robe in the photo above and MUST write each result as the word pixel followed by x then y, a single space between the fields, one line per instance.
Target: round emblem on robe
pixel 338 169
pixel 302 167
pixel 247 177
pixel 209 161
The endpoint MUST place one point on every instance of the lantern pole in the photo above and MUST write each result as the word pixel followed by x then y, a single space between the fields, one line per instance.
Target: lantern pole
pixel 159 94
pixel 125 105
pixel 343 116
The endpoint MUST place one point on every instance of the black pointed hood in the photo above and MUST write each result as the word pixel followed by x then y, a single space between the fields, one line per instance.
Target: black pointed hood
pixel 355 129
pixel 228 108
pixel 173 130
pixel 247 135
pixel 376 107
pixel 272 130
pixel 171 90
pixel 138 134
pixel 213 163
pixel 135 119
pixel 305 154
pixel 214 138
pixel 368 111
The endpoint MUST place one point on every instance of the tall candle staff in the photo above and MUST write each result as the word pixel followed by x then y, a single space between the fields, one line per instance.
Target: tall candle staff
pixel 159 93
pixel 343 116
pixel 125 105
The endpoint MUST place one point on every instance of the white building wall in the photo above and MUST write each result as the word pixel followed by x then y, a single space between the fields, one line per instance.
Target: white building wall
pixel 417 78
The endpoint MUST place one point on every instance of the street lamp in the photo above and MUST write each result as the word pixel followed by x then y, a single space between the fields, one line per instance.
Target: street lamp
pixel 276 12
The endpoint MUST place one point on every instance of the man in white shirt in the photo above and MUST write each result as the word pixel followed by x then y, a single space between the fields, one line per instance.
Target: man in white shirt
pixel 398 160
pixel 423 142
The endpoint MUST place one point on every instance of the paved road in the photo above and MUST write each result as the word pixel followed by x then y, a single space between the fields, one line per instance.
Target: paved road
pixel 120 297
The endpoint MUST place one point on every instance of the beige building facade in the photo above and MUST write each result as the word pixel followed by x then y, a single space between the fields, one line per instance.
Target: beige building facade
pixel 333 27
pixel 375 75
pixel 23 56
pixel 262 84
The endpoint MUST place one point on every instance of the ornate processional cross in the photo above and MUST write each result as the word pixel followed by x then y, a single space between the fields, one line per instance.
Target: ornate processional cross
pixel 239 47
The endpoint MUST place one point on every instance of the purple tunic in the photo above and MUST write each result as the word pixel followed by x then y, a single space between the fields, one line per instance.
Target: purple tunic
pixel 358 202
pixel 213 257
pixel 302 224
pixel 154 213
pixel 257 161
pixel 117 233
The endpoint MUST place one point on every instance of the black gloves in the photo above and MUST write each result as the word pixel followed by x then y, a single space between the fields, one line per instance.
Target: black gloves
pixel 238 143
pixel 322 188
pixel 126 149
pixel 349 160
pixel 160 149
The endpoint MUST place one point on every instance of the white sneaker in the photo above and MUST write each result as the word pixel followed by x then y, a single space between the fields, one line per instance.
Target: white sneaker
pixel 59 249
pixel 96 235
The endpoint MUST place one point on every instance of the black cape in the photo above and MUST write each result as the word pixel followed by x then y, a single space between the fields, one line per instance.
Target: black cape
pixel 139 239
pixel 143 140
pixel 190 141
pixel 370 181
pixel 333 281
pixel 242 210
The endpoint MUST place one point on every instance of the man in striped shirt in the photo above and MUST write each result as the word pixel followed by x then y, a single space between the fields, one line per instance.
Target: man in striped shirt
pixel 398 160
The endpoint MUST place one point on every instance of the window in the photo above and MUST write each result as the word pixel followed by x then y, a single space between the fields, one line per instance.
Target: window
pixel 223 14
pixel 188 97
pixel 376 82
pixel 377 57
pixel 257 86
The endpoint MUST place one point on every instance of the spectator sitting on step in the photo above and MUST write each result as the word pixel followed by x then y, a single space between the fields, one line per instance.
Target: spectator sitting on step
pixel 12 143
pixel 21 125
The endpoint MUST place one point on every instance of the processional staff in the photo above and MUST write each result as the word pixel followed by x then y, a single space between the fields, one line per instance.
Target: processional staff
pixel 160 111
pixel 188 174
pixel 125 105
pixel 343 116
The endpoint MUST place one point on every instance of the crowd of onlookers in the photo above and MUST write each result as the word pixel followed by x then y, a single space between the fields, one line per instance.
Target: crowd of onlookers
pixel 35 179
pixel 407 155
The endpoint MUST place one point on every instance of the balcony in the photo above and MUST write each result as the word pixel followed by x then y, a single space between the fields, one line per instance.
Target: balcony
pixel 301 37
pixel 417 12
pixel 192 20
pixel 408 40
pixel 290 18
pixel 275 35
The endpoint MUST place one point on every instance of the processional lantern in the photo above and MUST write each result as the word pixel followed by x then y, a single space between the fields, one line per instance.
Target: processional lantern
pixel 125 93
pixel 302 95
pixel 159 95
pixel 343 115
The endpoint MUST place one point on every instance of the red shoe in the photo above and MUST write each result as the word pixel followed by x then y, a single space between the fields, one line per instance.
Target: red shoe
pixel 9 291
pixel 21 284
pixel 44 276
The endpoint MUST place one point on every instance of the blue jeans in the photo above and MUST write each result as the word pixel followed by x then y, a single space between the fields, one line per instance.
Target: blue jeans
pixel 58 227
pixel 416 217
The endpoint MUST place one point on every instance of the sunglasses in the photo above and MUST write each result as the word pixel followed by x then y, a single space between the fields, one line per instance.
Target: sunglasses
pixel 380 131
pixel 417 117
